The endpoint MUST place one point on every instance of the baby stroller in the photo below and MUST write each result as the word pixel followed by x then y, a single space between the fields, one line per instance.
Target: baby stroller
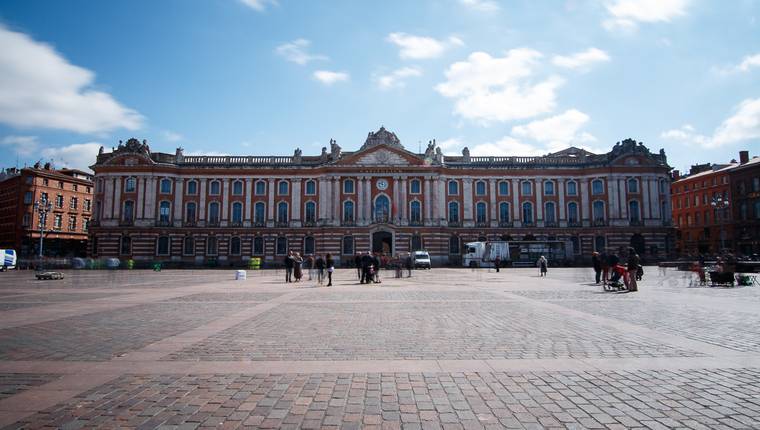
pixel 615 282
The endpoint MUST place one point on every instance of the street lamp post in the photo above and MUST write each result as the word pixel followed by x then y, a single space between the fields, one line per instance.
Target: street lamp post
pixel 720 205
pixel 42 207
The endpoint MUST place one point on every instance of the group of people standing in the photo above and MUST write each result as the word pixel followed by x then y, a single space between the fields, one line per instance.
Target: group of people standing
pixel 315 265
pixel 367 267
pixel 607 269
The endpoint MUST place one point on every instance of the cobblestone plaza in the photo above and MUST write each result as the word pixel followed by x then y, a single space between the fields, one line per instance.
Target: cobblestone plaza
pixel 446 348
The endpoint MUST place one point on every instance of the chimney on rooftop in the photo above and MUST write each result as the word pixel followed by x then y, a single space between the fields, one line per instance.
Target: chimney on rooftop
pixel 743 157
pixel 676 175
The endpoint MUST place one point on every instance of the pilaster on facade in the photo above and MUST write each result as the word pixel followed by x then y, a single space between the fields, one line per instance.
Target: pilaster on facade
pixel 561 193
pixel 140 199
pixel 427 204
pixel 539 191
pixel 117 199
pixel 585 203
pixel 623 192
pixel 270 204
pixel 360 200
pixel 467 213
pixel 178 190
pixel 516 217
pixel 225 201
pixel 295 202
pixel 248 210
pixel 646 209
pixel 440 217
pixel 202 202
pixel 494 221
pixel 404 204
pixel 108 198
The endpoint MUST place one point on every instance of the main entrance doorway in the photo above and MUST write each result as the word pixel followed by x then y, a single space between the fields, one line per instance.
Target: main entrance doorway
pixel 382 241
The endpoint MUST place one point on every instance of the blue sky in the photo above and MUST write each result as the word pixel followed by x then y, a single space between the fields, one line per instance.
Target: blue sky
pixel 264 76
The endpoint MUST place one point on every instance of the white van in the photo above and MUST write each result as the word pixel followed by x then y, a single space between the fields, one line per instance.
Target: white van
pixel 421 259
pixel 8 257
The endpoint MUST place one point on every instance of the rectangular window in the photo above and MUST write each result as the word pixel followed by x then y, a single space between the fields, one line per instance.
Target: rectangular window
pixel 503 188
pixel 166 186
pixel 60 184
pixel 28 197
pixel 26 220
pixel 87 204
pixel 415 187
pixel 58 221
pixel 75 187
pixel 72 223
pixel 59 201
pixel 73 203
pixel 261 188
pixel 44 197
pixel 85 224
pixel 526 188
pixel 45 182
pixel 348 186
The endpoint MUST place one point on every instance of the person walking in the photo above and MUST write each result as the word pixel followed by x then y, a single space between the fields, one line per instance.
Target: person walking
pixel 633 266
pixel 596 261
pixel 376 265
pixel 497 263
pixel 409 263
pixel 297 267
pixel 542 264
pixel 366 264
pixel 330 268
pixel 605 260
pixel 289 262
pixel 310 266
pixel 320 266
pixel 358 264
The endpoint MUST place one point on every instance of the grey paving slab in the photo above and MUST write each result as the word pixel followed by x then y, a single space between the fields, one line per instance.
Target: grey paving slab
pixel 15 383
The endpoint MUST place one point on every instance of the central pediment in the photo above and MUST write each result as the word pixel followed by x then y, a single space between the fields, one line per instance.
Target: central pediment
pixel 382 157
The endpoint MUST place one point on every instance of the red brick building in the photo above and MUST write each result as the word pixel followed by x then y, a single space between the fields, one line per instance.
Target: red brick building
pixel 701 226
pixel 157 206
pixel 745 189
pixel 70 193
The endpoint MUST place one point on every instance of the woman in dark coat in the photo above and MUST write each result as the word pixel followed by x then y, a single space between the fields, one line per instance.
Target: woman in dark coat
pixel 330 268
pixel 597 262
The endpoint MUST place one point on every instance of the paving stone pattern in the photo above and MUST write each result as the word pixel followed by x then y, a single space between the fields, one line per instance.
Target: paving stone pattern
pixel 228 297
pixel 362 331
pixel 389 294
pixel 55 297
pixel 693 399
pixel 14 383
pixel 103 335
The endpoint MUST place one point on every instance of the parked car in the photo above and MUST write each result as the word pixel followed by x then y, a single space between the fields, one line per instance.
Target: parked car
pixel 49 275
pixel 421 260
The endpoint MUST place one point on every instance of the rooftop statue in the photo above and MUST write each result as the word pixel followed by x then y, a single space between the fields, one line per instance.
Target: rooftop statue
pixel 381 136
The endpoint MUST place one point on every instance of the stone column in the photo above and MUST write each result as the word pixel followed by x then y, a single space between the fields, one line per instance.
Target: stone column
pixel 613 199
pixel 623 206
pixel 270 206
pixel 561 193
pixel 107 198
pixel 516 215
pixel 585 207
pixel 395 210
pixel 368 199
pixel 178 189
pixel 539 190
pixel 467 198
pixel 295 202
pixel 492 202
pixel 404 203
pixel 248 207
pixel 140 214
pixel 646 208
pixel 202 200
pixel 360 200
pixel 337 203
pixel 225 201
pixel 322 199
pixel 116 198
pixel 654 196
pixel 426 204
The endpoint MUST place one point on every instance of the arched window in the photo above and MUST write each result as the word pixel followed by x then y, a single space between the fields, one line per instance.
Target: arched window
pixel 237 212
pixel 526 188
pixel 164 212
pixel 308 245
pixel 504 212
pixel 237 188
pixel 415 187
pixel 453 188
pixel 598 210
pixel 453 212
pixel 548 188
pixel 212 246
pixel 576 244
pixel 480 188
pixel 503 188
pixel 633 211
pixel 190 212
pixel 597 187
pixel 215 188
pixel 261 188
pixel 213 212
pixel 572 212
pixel 258 245
pixel 281 246
pixel 348 186
pixel 527 213
pixel 382 208
pixel 125 247
pixel 188 246
pixel 347 245
pixel 633 185
pixel 235 246
pixel 572 188
pixel 415 212
pixel 310 211
pixel 600 243
pixel 348 212
pixel 282 188
pixel 480 212
pixel 311 188
pixel 416 243
pixel 129 211
pixel 129 185
pixel 454 245
pixel 550 215
pixel 192 187
pixel 259 212
pixel 282 212
pixel 162 247
pixel 166 186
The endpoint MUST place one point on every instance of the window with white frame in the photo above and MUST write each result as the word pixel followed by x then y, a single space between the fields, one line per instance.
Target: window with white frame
pixel 215 188
pixel 453 188
pixel 548 188
pixel 166 186
pixel 348 186
pixel 130 185
pixel 597 187
pixel 504 212
pixel 258 245
pixel 192 187
pixel 415 186
pixel 237 212
pixel 237 188
pixel 283 188
pixel 480 188
pixel 572 188
pixel 261 188
pixel 633 185
pixel 526 188
pixel 503 188
pixel 311 188
pixel 453 212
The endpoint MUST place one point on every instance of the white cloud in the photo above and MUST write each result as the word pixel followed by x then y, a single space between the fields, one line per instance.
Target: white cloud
pixel 22 146
pixel 259 5
pixel 481 5
pixel 171 136
pixel 743 125
pixel 297 52
pixel 581 60
pixel 328 77
pixel 76 156
pixel 396 79
pixel 748 62
pixel 421 47
pixel 559 131
pixel 626 14
pixel 490 88
pixel 40 88
pixel 507 146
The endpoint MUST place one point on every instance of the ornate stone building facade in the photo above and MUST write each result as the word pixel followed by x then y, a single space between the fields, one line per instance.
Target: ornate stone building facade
pixel 382 197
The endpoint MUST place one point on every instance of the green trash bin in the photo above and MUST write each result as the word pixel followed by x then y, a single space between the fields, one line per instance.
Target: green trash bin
pixel 130 264
pixel 156 267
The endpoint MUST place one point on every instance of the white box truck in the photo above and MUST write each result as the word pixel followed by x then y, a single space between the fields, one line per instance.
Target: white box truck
pixel 483 254
pixel 8 259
